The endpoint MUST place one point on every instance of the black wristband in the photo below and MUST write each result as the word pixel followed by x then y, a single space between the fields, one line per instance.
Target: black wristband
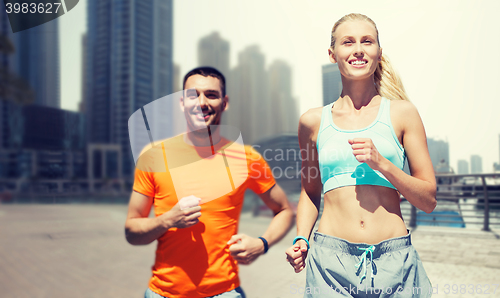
pixel 266 245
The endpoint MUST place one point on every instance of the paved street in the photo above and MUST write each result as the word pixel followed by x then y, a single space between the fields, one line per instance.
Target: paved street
pixel 80 251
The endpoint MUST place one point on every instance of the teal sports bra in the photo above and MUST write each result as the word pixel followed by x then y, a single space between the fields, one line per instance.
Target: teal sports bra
pixel 337 163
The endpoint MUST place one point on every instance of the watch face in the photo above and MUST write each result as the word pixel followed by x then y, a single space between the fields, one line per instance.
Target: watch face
pixel 26 14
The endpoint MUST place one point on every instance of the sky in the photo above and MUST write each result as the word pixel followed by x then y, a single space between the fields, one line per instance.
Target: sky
pixel 445 52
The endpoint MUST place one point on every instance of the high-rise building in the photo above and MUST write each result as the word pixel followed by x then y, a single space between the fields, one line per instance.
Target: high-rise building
pixel 129 64
pixel 332 83
pixel 46 128
pixel 261 104
pixel 81 105
pixel 36 60
pixel 214 51
pixel 285 117
pixel 177 81
pixel 440 154
pixel 463 167
pixel 6 50
pixel 249 106
pixel 15 90
pixel 41 134
pixel 476 164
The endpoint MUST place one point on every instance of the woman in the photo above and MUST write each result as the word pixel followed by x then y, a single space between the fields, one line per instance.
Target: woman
pixel 358 145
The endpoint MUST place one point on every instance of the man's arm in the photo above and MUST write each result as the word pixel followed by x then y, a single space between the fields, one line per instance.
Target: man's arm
pixel 140 229
pixel 246 249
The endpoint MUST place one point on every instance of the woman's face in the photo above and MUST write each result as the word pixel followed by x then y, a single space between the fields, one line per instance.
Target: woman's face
pixel 356 49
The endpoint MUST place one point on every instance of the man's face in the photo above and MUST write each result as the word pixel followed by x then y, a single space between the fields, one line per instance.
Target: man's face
pixel 202 102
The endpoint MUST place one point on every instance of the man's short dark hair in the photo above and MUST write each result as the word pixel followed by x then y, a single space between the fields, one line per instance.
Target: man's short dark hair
pixel 207 71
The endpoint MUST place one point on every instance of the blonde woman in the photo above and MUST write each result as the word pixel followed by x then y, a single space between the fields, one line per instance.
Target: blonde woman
pixel 355 149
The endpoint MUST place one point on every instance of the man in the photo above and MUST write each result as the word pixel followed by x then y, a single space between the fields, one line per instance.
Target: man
pixel 198 245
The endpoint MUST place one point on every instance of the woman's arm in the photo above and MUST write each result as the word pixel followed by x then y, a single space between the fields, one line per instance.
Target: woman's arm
pixel 419 188
pixel 310 195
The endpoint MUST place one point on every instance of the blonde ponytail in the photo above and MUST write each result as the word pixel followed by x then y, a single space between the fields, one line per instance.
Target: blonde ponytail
pixel 388 82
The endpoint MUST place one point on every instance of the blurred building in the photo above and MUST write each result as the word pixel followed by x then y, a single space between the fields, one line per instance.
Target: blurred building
pixel 6 48
pixel 15 91
pixel 476 164
pixel 261 104
pixel 214 51
pixel 177 81
pixel 36 60
pixel 43 148
pixel 332 83
pixel 128 64
pixel 496 165
pixel 249 105
pixel 462 167
pixel 285 117
pixel 33 58
pixel 81 105
pixel 440 154
pixel 49 138
pixel 47 128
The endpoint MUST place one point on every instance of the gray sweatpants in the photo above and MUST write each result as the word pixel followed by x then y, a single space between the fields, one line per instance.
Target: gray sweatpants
pixel 391 268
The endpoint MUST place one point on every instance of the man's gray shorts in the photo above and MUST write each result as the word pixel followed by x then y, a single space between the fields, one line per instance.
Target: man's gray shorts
pixel 335 268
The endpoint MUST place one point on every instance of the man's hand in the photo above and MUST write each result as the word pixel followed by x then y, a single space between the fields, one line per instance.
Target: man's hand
pixel 188 202
pixel 140 229
pixel 296 255
pixel 245 249
pixel 185 217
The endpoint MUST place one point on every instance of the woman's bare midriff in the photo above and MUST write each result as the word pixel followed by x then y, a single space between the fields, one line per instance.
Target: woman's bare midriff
pixel 362 214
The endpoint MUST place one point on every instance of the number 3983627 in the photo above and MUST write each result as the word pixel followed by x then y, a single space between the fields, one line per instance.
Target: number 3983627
pixel 32 7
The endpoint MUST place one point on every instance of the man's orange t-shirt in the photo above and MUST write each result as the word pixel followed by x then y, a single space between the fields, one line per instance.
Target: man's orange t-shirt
pixel 195 261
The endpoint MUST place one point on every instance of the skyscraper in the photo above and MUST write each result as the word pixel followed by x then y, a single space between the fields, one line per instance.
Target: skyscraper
pixel 129 64
pixel 439 152
pixel 476 164
pixel 177 80
pixel 332 83
pixel 36 60
pixel 214 51
pixel 15 90
pixel 6 50
pixel 249 105
pixel 496 165
pixel 261 104
pixel 285 117
pixel 463 167
pixel 82 105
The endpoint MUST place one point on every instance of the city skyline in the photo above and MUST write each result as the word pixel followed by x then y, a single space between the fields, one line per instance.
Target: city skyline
pixel 261 103
pixel 454 99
